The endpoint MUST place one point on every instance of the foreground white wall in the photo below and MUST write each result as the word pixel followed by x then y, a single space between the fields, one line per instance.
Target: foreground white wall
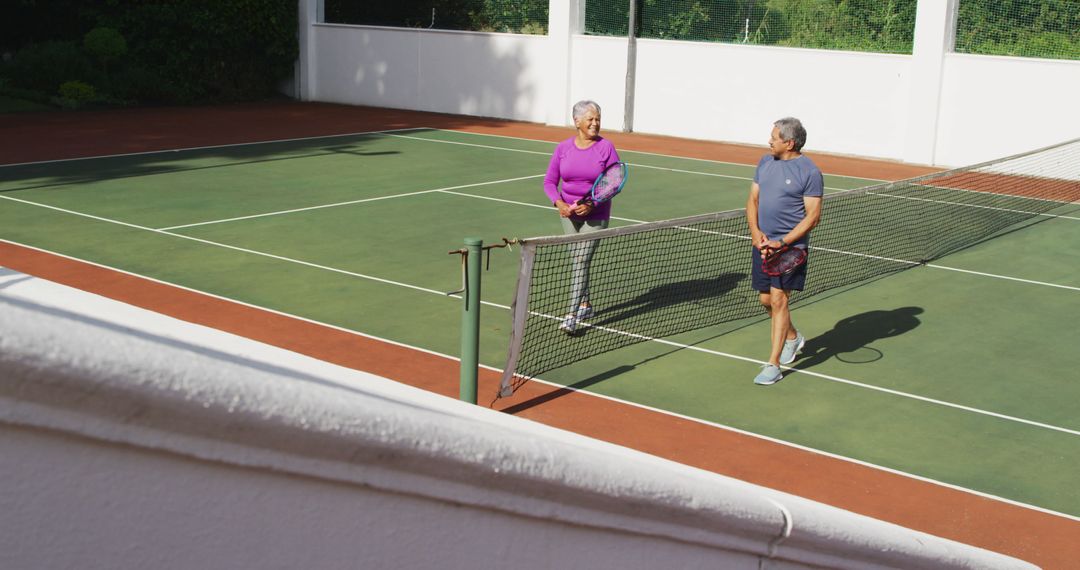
pixel 132 440
pixel 932 107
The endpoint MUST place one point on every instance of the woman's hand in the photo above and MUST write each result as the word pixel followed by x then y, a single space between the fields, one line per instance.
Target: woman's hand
pixel 583 210
pixel 579 210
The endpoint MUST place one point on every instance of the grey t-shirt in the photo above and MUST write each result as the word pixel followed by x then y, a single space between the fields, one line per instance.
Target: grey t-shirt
pixel 783 184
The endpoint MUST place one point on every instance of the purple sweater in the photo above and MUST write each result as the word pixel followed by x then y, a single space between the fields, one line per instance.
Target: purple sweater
pixel 578 169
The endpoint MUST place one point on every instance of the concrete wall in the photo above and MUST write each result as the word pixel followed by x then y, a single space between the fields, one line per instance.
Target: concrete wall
pixel 1004 106
pixel 931 107
pixel 132 440
pixel 467 73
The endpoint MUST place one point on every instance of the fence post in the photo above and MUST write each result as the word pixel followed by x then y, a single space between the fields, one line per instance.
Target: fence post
pixel 935 33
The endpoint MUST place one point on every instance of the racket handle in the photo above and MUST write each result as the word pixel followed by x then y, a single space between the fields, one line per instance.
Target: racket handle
pixel 582 202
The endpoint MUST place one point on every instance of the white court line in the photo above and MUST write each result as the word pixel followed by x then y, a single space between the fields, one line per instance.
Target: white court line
pixel 362 200
pixel 640 337
pixel 987 192
pixel 908 395
pixel 227 246
pixel 634 164
pixel 866 255
pixel 977 206
pixel 694 172
pixel 448 191
pixel 272 141
pixel 561 386
pixel 763 151
pixel 517 203
pixel 1006 277
pixel 800 447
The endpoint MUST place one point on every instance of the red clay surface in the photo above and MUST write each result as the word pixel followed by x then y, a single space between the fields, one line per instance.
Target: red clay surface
pixel 1044 539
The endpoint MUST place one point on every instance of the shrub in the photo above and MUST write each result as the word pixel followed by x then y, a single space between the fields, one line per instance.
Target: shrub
pixel 75 94
pixel 77 90
pixel 44 66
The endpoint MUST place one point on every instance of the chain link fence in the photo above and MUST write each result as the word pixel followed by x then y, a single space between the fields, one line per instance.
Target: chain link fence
pixel 1025 28
pixel 880 26
pixel 509 16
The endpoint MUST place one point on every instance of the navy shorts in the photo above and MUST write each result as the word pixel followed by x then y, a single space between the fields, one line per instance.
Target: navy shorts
pixel 793 281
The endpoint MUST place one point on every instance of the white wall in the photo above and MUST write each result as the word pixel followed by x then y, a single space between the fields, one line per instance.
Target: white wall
pixel 734 93
pixel 933 107
pixel 1000 106
pixel 467 73
pixel 130 440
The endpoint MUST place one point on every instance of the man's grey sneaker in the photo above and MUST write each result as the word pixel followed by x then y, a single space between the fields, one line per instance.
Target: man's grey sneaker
pixel 770 374
pixel 584 312
pixel 568 324
pixel 792 348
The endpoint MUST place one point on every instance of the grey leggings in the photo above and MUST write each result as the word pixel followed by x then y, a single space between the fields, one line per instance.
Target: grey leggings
pixel 582 254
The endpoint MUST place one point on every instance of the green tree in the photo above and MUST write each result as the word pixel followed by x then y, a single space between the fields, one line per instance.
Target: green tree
pixel 106 45
pixel 1032 28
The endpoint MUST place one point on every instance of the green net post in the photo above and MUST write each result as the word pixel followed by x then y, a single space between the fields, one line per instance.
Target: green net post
pixel 470 321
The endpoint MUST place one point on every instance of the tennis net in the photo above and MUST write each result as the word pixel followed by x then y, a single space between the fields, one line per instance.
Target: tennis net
pixel 658 279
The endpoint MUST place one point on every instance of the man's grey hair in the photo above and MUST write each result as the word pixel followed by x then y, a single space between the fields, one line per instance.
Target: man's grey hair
pixel 791 129
pixel 582 107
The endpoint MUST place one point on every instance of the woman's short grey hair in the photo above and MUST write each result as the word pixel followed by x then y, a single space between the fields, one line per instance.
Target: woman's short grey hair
pixel 582 107
pixel 791 129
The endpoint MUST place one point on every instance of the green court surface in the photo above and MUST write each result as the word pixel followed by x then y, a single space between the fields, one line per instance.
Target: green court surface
pixel 960 371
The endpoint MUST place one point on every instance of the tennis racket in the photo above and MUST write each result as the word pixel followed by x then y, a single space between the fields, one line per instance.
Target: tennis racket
pixel 607 185
pixel 783 261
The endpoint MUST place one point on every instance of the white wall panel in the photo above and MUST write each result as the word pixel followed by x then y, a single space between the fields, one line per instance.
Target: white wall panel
pixel 852 103
pixel 598 73
pixel 367 66
pixel 490 75
pixel 487 75
pixel 999 106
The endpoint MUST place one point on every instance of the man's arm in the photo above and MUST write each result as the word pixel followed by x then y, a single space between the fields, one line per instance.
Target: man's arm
pixel 752 215
pixel 812 204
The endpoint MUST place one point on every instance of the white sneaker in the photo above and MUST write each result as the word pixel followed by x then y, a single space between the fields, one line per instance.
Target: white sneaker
pixel 770 374
pixel 584 312
pixel 568 324
pixel 792 348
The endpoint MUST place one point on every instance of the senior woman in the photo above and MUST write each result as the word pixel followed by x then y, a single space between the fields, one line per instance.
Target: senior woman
pixel 577 162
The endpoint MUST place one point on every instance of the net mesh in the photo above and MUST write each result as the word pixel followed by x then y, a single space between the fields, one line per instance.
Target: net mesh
pixel 658 279
pixel 886 27
pixel 1026 28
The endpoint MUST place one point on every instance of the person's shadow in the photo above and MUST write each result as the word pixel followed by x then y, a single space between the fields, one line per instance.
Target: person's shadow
pixel 849 339
pixel 707 295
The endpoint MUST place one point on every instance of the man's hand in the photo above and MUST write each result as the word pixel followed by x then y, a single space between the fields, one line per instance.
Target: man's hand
pixel 764 245
pixel 758 238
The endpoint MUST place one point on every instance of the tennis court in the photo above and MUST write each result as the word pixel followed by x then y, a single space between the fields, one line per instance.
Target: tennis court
pixel 959 372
